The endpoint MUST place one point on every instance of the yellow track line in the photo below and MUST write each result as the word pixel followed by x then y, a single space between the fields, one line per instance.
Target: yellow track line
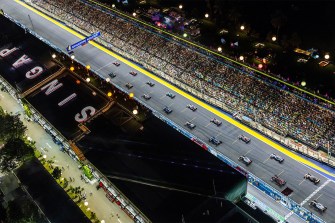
pixel 186 95
pixel 213 52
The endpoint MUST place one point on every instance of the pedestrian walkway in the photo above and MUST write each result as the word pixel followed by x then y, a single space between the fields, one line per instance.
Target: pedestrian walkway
pixel 97 200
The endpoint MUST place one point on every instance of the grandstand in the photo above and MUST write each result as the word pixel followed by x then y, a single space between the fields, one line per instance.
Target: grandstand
pixel 287 113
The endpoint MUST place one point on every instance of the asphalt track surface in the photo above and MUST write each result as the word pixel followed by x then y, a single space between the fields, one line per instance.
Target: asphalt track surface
pixel 292 169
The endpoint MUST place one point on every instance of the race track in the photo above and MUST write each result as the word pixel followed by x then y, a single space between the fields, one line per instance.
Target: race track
pixel 290 170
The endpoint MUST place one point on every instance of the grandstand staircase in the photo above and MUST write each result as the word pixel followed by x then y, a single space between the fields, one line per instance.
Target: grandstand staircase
pixel 43 82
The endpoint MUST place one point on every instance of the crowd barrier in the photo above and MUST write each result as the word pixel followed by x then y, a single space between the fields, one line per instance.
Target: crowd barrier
pixel 255 181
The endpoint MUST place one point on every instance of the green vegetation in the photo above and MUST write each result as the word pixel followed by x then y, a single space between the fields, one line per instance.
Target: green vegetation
pixel 16 148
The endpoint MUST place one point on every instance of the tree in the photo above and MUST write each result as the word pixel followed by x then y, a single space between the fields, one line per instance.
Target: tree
pixel 14 152
pixel 57 173
pixel 11 127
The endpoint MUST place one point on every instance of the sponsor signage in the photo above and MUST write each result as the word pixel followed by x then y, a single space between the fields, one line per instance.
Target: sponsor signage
pixel 83 41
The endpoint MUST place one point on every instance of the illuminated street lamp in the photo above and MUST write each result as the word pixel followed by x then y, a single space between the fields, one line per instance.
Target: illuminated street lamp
pixel 135 111
pixel 102 221
pixel 219 49
pixel 44 156
pixel 88 79
pixel 53 56
pixel 88 67
pixel 303 83
pixel 72 68
pixel 274 38
pixel 327 56
pixel 109 94
pixel 108 79
pixel 185 35
pixel 206 15
pixel 86 203
pixel 72 57
pixel 134 14
pixel 131 95
pixel 242 27
pixel 241 58
pixel 113 6
pixel 260 66
pixel 180 6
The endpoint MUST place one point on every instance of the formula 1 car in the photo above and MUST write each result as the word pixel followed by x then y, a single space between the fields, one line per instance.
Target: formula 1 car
pixel 244 138
pixel 215 141
pixel 170 95
pixel 216 121
pixel 191 107
pixel 167 110
pixel 190 125
pixel 318 206
pixel 245 160
pixel 129 85
pixel 133 73
pixel 312 178
pixel 277 158
pixel 116 63
pixel 111 75
pixel 150 83
pixel 280 182
pixel 146 97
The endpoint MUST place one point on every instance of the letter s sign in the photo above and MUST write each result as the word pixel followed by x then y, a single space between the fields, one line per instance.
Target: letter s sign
pixel 83 116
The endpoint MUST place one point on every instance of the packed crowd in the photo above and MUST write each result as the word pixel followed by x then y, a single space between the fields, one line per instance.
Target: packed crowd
pixel 272 106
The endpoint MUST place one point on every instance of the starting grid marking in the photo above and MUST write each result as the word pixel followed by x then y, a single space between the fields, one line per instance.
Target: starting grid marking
pixel 314 192
pixel 184 94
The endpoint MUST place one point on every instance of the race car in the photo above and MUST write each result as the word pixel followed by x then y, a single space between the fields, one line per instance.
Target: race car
pixel 280 182
pixel 191 107
pixel 129 85
pixel 146 97
pixel 167 110
pixel 111 75
pixel 170 95
pixel 245 160
pixel 312 178
pixel 116 63
pixel 318 206
pixel 133 73
pixel 150 83
pixel 277 158
pixel 216 121
pixel 190 125
pixel 215 141
pixel 244 138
